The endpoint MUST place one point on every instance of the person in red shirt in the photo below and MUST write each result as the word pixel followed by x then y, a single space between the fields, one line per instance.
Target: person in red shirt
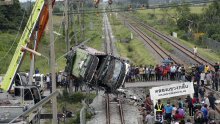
pixel 178 116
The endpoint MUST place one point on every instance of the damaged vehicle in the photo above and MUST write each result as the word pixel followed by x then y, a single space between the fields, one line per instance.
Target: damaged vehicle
pixel 96 69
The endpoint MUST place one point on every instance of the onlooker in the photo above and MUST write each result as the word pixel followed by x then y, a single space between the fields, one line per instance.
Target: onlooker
pixel 181 112
pixel 157 72
pixel 205 113
pixel 202 78
pixel 48 81
pixel 198 117
pixel 206 100
pixel 209 78
pixel 212 100
pixel 168 111
pixel 190 105
pixel 37 71
pixel 148 103
pixel 174 110
pixel 188 121
pixel 178 116
pixel 195 51
pixel 159 111
pixel 212 114
pixel 183 71
pixel 180 103
pixel 202 92
pixel 206 68
pixel 216 66
pixel 172 72
pixel 149 119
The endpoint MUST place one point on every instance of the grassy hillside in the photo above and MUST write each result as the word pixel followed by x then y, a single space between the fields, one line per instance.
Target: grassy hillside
pixel 6 40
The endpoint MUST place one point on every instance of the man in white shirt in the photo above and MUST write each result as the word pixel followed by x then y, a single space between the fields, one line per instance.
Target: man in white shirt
pixel 195 51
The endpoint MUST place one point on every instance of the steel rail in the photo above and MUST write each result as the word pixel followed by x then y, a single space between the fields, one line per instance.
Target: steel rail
pixel 183 49
pixel 159 50
pixel 121 112
pixel 107 109
pixel 109 45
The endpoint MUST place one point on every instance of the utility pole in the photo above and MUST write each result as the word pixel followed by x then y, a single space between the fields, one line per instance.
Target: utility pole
pixel 52 63
pixel 67 26
pixel 83 23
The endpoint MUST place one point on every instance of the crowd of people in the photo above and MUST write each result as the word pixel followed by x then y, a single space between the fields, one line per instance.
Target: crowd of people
pixel 189 111
pixel 172 71
pixel 155 73
pixel 197 110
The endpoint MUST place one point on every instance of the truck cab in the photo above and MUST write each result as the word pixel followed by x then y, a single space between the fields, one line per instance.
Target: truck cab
pixel 97 69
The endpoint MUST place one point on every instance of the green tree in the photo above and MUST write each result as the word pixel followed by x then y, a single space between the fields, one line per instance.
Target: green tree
pixel 11 16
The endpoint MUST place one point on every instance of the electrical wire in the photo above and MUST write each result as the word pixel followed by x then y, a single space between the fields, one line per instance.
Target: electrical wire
pixel 58 30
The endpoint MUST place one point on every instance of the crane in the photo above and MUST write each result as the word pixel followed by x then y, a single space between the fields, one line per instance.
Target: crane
pixel 36 23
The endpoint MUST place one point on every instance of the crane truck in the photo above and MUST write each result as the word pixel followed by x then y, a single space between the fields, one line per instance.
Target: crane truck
pixel 24 96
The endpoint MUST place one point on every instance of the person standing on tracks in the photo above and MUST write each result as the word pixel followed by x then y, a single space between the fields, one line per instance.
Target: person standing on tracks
pixel 216 67
pixel 202 78
pixel 209 78
pixel 216 79
pixel 195 51
pixel 206 69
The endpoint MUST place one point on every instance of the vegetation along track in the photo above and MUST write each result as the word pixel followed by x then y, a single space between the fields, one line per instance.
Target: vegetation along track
pixel 108 38
pixel 174 43
pixel 109 110
pixel 157 48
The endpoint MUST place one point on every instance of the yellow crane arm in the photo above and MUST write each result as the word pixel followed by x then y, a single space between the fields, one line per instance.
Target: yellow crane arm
pixel 24 40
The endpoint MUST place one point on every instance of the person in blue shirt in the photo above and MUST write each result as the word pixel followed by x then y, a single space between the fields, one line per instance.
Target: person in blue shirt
pixel 168 111
pixel 205 113
pixel 37 71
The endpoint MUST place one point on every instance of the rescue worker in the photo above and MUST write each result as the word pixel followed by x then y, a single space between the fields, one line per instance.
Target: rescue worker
pixel 159 111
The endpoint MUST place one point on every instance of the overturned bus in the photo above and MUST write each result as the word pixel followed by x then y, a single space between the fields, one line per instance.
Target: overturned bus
pixel 96 68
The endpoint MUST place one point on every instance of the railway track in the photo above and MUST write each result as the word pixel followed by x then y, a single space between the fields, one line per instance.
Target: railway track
pixel 157 48
pixel 109 49
pixel 178 46
pixel 174 43
pixel 110 111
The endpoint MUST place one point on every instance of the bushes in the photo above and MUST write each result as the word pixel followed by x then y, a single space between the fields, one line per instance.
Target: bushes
pixel 73 98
